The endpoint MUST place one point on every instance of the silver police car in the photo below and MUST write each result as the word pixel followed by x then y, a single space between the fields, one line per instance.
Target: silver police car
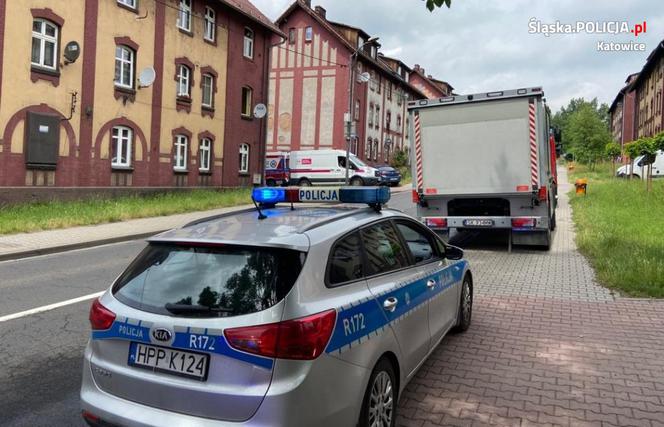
pixel 280 316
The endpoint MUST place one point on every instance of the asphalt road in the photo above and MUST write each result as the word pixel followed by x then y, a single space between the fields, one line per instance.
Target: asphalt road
pixel 41 355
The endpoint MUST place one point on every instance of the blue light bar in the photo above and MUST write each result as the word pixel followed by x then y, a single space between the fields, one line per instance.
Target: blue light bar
pixel 365 195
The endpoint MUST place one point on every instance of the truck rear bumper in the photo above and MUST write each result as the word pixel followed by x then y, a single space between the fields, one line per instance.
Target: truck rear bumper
pixel 520 223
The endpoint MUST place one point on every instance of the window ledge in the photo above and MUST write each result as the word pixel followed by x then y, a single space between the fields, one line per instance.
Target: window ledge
pixel 47 74
pixel 207 111
pixel 186 32
pixel 210 42
pixel 127 7
pixel 122 168
pixel 245 117
pixel 180 171
pixel 205 172
pixel 183 104
pixel 124 93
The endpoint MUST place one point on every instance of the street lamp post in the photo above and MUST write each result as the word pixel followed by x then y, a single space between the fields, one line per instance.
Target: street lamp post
pixel 351 118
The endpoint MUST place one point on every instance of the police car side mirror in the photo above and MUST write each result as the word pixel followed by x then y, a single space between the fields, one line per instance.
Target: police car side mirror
pixel 453 253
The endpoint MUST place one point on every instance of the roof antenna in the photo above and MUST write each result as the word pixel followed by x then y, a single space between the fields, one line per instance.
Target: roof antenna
pixel 261 215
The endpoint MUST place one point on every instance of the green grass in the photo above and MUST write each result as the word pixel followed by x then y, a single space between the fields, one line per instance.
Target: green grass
pixel 620 228
pixel 45 216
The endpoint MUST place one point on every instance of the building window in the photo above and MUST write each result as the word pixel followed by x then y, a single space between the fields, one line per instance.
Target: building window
pixel 244 158
pixel 389 91
pixel 399 123
pixel 204 151
pixel 128 3
pixel 371 115
pixel 367 149
pixel 121 138
pixel 184 15
pixel 208 91
pixel 375 150
pixel 400 96
pixel 377 121
pixel 388 119
pixel 372 82
pixel 184 81
pixel 356 113
pixel 248 43
pixel 308 34
pixel 407 127
pixel 180 160
pixel 292 36
pixel 125 59
pixel 44 44
pixel 210 24
pixel 247 101
pixel 379 81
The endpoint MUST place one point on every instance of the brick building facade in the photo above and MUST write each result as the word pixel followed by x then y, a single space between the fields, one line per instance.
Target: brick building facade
pixel 309 88
pixel 622 113
pixel 75 113
pixel 649 89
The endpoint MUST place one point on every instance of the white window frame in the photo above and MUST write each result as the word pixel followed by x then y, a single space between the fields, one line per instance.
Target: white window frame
pixel 204 154
pixel 43 40
pixel 207 88
pixel 128 3
pixel 122 138
pixel 125 62
pixel 184 81
pixel 180 154
pixel 184 15
pixel 250 91
pixel 248 50
pixel 210 24
pixel 243 167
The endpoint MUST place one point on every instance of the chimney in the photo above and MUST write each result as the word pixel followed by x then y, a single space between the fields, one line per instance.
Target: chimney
pixel 320 11
pixel 307 3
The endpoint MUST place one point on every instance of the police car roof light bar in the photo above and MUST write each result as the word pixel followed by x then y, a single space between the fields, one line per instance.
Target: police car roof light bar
pixel 270 196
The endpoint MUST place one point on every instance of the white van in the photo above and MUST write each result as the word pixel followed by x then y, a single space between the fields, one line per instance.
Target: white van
pixel 325 167
pixel 640 169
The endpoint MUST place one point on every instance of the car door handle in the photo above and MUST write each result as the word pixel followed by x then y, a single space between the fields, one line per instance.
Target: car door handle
pixel 431 284
pixel 390 304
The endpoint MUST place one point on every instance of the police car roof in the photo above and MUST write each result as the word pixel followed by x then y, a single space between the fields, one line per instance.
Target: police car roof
pixel 283 227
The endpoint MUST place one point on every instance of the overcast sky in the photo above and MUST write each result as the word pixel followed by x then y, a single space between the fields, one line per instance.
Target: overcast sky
pixel 481 45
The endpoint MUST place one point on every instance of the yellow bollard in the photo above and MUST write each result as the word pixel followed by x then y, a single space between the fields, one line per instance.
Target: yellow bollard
pixel 581 186
pixel 570 167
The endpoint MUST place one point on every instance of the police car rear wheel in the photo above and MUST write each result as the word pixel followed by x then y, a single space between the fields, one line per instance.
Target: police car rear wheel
pixel 465 306
pixel 380 398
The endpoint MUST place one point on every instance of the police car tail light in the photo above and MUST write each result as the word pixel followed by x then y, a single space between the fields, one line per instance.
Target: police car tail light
pixel 521 223
pixel 299 339
pixel 101 318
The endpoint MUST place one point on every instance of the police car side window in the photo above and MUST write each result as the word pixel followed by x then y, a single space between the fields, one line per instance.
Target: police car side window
pixel 345 260
pixel 419 242
pixel 384 250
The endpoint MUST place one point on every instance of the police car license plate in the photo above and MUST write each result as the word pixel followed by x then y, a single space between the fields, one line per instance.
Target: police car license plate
pixel 478 222
pixel 169 361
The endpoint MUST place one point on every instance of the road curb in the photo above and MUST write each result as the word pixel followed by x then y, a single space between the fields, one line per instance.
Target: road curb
pixel 81 245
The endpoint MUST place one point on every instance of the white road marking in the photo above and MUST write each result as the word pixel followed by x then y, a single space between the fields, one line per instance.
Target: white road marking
pixel 50 307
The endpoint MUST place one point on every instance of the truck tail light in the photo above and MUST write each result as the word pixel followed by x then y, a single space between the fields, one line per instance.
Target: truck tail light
pixel 436 222
pixel 101 318
pixel 523 223
pixel 416 197
pixel 299 339
pixel 542 194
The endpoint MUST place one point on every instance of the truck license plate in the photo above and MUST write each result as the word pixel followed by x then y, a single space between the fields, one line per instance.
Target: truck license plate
pixel 169 361
pixel 478 223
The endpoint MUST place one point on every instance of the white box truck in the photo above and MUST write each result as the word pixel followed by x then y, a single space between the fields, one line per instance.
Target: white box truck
pixel 485 161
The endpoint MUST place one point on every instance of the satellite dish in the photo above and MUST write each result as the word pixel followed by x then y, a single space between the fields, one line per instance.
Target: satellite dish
pixel 260 110
pixel 364 77
pixel 72 52
pixel 147 77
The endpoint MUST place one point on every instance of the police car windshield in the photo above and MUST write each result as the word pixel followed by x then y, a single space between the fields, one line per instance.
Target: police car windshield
pixel 193 281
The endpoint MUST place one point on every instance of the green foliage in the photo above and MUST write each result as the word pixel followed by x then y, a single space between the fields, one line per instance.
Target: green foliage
pixel 620 229
pixel 632 149
pixel 643 147
pixel 612 150
pixel 658 141
pixel 561 119
pixel 586 134
pixel 399 159
pixel 432 4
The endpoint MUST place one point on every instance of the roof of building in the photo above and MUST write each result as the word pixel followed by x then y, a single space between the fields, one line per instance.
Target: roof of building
pixel 656 53
pixel 330 26
pixel 247 8
pixel 430 80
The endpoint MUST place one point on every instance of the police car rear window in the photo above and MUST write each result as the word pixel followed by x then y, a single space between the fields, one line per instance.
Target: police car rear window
pixel 201 281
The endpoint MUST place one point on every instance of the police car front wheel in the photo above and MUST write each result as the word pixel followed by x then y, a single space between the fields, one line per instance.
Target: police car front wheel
pixel 465 306
pixel 380 399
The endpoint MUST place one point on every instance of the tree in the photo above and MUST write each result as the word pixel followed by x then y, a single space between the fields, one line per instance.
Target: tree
pixel 432 4
pixel 560 120
pixel 612 151
pixel 586 134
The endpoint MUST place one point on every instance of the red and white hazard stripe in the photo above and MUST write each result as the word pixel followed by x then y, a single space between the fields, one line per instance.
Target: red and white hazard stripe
pixel 534 168
pixel 418 152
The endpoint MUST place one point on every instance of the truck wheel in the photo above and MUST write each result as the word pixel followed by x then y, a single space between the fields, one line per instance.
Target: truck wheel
pixel 304 182
pixel 380 399
pixel 552 221
pixel 547 241
pixel 356 181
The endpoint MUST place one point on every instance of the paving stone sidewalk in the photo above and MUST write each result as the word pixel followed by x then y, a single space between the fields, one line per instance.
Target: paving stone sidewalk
pixel 548 346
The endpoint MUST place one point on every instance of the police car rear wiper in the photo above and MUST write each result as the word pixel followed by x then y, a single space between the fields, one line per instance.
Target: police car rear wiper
pixel 195 309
